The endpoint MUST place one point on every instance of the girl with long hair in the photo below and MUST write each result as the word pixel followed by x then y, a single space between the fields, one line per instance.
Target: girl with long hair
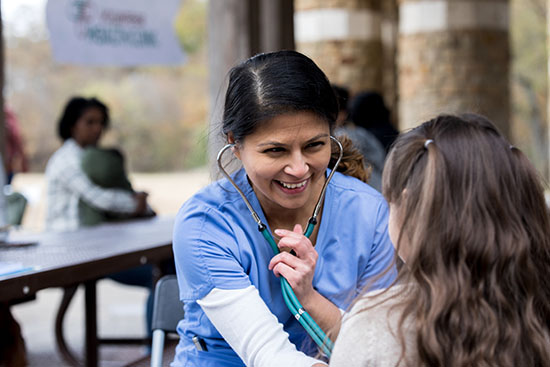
pixel 469 221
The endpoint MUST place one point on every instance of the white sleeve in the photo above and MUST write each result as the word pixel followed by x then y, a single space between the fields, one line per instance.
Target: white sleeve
pixel 115 200
pixel 249 327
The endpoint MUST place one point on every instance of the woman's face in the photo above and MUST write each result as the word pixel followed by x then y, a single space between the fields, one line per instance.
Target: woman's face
pixel 88 128
pixel 286 159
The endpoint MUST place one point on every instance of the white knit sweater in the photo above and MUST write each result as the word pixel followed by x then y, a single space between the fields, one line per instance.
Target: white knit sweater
pixel 368 336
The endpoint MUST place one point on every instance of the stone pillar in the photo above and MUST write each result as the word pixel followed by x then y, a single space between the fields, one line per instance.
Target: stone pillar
pixel 276 25
pixel 453 57
pixel 389 34
pixel 238 29
pixel 343 37
pixel 229 41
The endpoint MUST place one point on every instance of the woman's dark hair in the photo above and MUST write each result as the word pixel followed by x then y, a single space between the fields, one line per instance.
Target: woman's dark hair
pixel 74 109
pixel 271 84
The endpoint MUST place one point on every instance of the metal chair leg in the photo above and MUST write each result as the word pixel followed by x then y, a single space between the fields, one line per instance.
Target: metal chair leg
pixel 157 348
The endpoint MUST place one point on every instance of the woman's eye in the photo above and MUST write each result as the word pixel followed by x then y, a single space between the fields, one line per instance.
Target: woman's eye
pixel 315 144
pixel 273 150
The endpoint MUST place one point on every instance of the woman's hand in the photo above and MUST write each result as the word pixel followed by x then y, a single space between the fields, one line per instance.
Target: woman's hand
pixel 141 199
pixel 297 269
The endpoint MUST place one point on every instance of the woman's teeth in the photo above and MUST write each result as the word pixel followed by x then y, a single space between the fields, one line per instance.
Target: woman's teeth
pixel 293 186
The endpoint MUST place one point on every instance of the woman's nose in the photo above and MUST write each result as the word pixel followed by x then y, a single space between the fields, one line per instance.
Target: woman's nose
pixel 297 166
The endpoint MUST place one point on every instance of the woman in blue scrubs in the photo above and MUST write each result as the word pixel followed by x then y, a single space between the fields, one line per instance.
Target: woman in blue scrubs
pixel 279 112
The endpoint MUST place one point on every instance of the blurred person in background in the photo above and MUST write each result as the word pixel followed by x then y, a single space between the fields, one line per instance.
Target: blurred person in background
pixel 80 127
pixel 368 110
pixel 16 159
pixel 372 150
pixel 74 199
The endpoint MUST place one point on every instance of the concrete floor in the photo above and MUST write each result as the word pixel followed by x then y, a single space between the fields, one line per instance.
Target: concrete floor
pixel 120 314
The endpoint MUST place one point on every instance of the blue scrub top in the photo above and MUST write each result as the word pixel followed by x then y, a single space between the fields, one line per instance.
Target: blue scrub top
pixel 217 245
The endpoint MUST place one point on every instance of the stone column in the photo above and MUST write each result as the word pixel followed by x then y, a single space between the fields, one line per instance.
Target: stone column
pixel 230 40
pixel 389 34
pixel 276 25
pixel 343 38
pixel 238 29
pixel 453 57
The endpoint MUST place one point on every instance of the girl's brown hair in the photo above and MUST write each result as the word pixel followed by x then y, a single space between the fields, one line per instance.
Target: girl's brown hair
pixel 477 230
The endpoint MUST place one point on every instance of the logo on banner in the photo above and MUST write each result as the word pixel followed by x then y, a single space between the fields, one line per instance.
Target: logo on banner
pixel 121 32
pixel 110 26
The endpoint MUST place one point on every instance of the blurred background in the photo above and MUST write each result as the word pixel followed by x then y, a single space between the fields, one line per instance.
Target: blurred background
pixel 160 113
pixel 424 57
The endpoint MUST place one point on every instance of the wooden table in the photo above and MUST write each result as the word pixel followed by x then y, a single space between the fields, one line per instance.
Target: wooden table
pixel 82 257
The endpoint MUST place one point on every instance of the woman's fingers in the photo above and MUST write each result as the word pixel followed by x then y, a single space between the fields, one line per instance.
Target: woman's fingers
pixel 286 258
pixel 296 233
pixel 296 241
pixel 297 278
pixel 297 269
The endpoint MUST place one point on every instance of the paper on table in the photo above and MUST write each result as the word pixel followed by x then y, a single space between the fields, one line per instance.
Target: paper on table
pixel 10 268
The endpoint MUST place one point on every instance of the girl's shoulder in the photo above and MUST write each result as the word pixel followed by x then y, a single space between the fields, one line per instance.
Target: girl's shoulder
pixel 370 332
pixel 378 301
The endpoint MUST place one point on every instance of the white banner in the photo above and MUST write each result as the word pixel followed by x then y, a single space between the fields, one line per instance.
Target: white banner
pixel 114 32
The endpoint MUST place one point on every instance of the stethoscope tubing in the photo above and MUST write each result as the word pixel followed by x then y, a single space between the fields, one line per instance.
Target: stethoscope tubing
pixel 291 301
pixel 296 308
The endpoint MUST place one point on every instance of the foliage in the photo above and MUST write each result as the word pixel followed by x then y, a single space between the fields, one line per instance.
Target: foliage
pixel 191 25
pixel 529 79
pixel 157 113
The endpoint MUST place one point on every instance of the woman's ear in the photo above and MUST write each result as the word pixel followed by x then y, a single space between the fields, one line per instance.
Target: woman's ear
pixel 235 149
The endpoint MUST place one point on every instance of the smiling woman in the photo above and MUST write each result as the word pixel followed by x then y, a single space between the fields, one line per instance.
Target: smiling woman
pixel 279 114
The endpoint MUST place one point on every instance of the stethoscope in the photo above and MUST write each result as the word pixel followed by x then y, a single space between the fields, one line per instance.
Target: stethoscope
pixel 295 307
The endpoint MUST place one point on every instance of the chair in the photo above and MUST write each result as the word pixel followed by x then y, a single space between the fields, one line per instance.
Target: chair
pixel 167 312
pixel 15 207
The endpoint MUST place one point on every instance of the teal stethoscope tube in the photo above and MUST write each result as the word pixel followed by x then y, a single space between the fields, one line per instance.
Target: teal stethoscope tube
pixel 295 307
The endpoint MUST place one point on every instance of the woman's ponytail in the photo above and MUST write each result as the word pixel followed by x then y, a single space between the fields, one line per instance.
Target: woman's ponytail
pixel 352 163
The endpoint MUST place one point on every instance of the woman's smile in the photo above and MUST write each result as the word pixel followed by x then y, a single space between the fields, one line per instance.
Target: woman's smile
pixel 293 188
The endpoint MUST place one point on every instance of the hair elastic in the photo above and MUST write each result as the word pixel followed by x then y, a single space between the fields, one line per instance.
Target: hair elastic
pixel 427 142
pixel 512 147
